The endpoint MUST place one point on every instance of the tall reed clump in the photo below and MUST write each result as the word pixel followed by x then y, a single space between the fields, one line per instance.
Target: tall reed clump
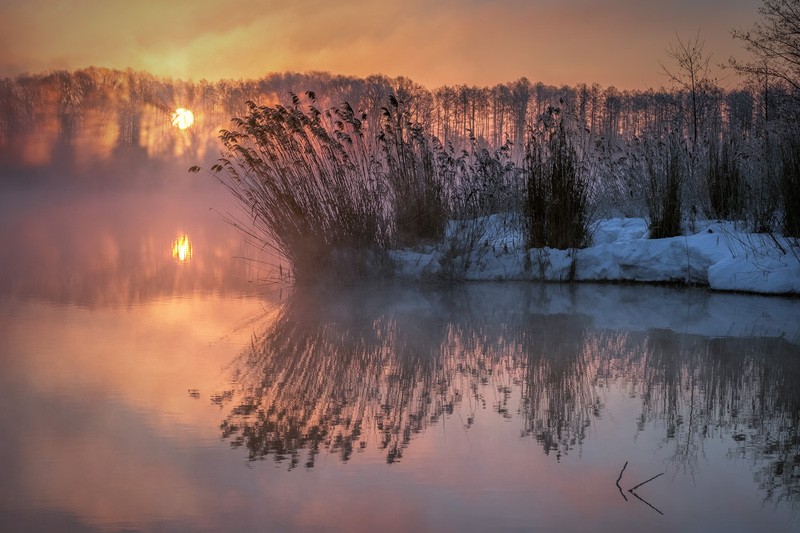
pixel 489 182
pixel 556 206
pixel 790 186
pixel 665 183
pixel 724 183
pixel 312 187
pixel 761 172
pixel 411 158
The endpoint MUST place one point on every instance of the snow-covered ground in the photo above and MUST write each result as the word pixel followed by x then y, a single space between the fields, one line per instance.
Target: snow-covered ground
pixel 715 254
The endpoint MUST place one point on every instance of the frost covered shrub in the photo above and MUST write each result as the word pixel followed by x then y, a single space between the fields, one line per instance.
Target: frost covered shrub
pixel 490 182
pixel 484 202
pixel 311 184
pixel 556 193
pixel 761 171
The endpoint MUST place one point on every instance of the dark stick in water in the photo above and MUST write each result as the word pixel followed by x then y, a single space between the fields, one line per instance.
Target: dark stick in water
pixel 643 482
pixel 651 506
pixel 620 478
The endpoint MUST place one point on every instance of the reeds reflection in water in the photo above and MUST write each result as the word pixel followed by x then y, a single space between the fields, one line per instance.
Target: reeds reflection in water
pixel 343 372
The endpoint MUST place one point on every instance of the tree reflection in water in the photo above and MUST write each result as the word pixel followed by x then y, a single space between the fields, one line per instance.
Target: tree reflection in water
pixel 343 372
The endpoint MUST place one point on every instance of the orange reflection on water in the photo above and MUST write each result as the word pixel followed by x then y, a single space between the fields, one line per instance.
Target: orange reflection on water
pixel 182 248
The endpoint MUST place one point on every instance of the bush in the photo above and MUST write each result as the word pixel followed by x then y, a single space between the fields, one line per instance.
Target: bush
pixel 557 194
pixel 790 187
pixel 724 183
pixel 666 176
pixel 490 183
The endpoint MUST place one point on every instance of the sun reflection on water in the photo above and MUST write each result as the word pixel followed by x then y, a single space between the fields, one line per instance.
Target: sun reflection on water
pixel 182 248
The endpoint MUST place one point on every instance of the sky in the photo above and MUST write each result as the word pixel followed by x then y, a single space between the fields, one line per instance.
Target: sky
pixel 441 42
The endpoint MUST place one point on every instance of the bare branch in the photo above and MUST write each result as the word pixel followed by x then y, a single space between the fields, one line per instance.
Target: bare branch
pixel 620 479
pixel 774 41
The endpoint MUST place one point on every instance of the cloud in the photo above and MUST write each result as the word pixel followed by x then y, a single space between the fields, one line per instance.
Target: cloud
pixel 471 41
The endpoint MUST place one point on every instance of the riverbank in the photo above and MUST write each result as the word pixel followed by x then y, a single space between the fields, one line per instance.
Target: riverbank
pixel 716 254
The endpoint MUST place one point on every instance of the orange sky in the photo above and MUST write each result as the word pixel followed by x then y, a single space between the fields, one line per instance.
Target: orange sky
pixel 482 42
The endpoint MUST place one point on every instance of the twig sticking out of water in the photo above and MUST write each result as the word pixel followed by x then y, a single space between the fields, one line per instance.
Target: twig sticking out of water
pixel 620 479
pixel 632 491
pixel 651 506
pixel 643 482
pixel 642 499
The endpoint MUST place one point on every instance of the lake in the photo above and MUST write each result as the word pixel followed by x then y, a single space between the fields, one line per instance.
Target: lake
pixel 150 382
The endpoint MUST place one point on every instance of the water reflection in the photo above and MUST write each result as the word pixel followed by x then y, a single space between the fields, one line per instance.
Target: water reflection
pixel 106 248
pixel 343 373
pixel 744 392
pixel 99 428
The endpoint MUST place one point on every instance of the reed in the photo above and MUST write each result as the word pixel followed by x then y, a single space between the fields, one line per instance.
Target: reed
pixel 410 161
pixel 312 186
pixel 557 193
pixel 790 186
pixel 664 198
pixel 724 183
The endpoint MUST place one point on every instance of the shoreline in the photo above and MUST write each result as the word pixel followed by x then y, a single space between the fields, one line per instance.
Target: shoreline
pixel 612 306
pixel 716 256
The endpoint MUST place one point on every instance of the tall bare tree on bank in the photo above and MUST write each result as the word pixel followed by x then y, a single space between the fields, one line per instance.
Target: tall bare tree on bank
pixel 774 44
pixel 691 72
pixel 774 64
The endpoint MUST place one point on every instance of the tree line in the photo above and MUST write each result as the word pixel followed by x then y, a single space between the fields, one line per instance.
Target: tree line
pixel 130 109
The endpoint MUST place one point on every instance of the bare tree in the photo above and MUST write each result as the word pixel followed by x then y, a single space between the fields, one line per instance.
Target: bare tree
pixel 774 43
pixel 691 72
pixel 774 67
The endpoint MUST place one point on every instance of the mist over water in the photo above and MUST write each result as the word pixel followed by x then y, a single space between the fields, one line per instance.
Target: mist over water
pixel 96 247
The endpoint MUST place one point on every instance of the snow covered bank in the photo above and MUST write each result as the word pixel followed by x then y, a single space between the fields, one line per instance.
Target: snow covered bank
pixel 714 254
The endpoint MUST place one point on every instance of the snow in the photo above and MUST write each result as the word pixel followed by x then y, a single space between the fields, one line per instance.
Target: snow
pixel 715 254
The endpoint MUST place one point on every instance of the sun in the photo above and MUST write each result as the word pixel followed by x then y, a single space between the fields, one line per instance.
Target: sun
pixel 182 118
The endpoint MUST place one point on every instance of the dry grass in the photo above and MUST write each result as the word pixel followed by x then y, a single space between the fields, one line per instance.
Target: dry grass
pixel 312 187
pixel 664 199
pixel 557 194
pixel 724 183
pixel 790 187
pixel 411 159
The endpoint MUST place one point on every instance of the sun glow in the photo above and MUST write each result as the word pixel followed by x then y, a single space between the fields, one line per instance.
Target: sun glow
pixel 182 248
pixel 182 118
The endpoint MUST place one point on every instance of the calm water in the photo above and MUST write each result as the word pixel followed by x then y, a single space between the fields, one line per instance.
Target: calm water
pixel 150 385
